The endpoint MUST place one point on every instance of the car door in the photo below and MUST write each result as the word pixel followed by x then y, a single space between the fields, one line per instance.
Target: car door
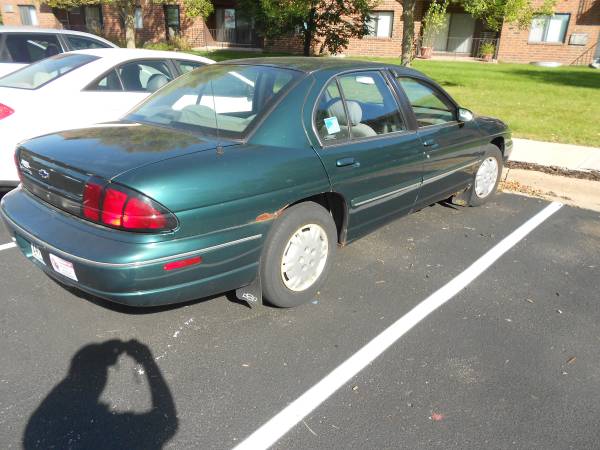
pixel 371 155
pixel 451 148
pixel 117 91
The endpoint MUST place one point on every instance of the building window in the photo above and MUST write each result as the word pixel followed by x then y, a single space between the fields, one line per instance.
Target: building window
pixel 93 18
pixel 380 24
pixel 139 21
pixel 172 20
pixel 28 15
pixel 549 28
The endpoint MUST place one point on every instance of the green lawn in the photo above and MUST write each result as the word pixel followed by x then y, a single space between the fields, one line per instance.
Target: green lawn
pixel 557 105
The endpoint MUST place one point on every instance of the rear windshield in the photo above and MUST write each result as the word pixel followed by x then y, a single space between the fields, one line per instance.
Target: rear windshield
pixel 216 99
pixel 45 71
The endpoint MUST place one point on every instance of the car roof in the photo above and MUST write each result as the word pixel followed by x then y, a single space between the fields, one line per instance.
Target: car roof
pixel 121 54
pixel 33 29
pixel 311 64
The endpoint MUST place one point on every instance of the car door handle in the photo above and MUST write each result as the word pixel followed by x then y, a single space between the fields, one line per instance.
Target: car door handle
pixel 342 162
pixel 430 143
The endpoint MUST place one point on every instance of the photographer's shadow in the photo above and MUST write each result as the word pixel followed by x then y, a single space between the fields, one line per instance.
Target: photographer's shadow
pixel 72 416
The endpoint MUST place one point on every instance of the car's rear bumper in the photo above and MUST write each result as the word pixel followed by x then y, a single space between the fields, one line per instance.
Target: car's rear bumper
pixel 128 269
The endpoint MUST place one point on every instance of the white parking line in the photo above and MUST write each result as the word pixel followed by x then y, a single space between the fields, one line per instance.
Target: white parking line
pixel 7 246
pixel 285 420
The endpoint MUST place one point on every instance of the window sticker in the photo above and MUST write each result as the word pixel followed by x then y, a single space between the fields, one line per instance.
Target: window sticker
pixel 332 125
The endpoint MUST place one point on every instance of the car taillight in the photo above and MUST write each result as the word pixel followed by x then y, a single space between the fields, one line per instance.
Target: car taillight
pixel 5 111
pixel 123 208
pixel 91 201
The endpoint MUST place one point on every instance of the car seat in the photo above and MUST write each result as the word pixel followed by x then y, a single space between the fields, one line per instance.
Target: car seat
pixel 130 74
pixel 354 118
pixel 156 81
pixel 51 50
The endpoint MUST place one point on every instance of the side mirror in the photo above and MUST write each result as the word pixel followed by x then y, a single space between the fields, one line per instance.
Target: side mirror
pixel 464 115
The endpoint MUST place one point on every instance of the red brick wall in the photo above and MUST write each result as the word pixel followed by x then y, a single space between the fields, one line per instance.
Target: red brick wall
pixel 154 28
pixel 45 16
pixel 153 18
pixel 515 46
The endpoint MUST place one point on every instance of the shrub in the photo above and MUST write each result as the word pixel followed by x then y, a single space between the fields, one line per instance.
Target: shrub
pixel 487 49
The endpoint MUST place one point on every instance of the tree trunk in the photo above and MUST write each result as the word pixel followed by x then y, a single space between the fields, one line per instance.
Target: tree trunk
pixel 308 32
pixel 128 11
pixel 408 31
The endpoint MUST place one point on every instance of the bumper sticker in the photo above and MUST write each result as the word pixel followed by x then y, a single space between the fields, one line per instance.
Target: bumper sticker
pixel 63 267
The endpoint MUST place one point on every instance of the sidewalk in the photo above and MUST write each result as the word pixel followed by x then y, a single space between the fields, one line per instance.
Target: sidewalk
pixel 573 160
pixel 571 157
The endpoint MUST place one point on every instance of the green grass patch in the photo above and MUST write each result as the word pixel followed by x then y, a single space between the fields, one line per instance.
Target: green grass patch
pixel 547 104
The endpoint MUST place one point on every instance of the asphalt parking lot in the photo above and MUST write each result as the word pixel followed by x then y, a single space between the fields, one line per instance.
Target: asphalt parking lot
pixel 511 361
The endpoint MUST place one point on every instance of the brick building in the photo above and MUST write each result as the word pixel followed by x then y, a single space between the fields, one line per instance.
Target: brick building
pixel 570 36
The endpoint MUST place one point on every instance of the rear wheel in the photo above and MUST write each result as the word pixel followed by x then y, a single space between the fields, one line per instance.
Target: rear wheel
pixel 485 182
pixel 298 255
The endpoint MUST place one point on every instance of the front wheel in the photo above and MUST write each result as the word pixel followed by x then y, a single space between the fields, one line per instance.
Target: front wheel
pixel 486 178
pixel 298 255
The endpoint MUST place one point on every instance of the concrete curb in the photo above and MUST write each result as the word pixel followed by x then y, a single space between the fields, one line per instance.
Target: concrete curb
pixel 551 154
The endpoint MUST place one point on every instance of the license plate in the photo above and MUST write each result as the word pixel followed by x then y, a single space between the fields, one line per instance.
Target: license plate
pixel 37 254
pixel 63 267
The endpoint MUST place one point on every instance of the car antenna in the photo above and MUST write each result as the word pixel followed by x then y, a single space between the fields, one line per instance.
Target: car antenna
pixel 219 148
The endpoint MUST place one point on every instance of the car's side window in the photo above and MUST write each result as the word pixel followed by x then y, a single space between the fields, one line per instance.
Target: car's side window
pixel 330 116
pixel 145 76
pixel 26 48
pixel 109 82
pixel 188 66
pixel 431 107
pixel 82 43
pixel 372 108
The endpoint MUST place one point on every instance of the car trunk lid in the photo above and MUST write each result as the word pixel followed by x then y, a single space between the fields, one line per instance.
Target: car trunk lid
pixel 57 166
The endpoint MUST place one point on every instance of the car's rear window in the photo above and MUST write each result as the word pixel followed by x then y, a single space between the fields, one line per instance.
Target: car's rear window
pixel 217 99
pixel 45 71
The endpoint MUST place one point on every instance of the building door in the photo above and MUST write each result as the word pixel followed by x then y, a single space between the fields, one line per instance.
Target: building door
pixel 460 36
pixel 440 41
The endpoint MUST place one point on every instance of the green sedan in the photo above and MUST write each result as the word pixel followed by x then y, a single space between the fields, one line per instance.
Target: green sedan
pixel 246 175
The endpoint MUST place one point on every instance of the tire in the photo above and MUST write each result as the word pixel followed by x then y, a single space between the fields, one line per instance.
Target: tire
pixel 482 189
pixel 308 224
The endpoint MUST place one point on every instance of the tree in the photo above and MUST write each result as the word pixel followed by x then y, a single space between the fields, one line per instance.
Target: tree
pixel 330 22
pixel 408 30
pixel 126 11
pixel 495 12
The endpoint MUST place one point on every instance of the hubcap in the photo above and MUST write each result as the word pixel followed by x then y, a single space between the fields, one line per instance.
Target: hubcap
pixel 486 177
pixel 304 257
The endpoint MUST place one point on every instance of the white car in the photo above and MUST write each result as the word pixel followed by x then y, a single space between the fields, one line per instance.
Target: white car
pixel 78 89
pixel 24 45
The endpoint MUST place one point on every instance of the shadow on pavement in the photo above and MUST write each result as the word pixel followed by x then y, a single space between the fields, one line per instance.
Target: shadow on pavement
pixel 72 416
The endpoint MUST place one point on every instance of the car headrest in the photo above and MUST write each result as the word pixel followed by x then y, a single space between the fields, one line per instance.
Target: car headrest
pixel 51 50
pixel 130 74
pixel 354 112
pixel 156 81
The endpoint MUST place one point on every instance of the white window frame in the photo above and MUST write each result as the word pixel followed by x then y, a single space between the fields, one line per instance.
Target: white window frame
pixel 374 24
pixel 545 22
pixel 31 11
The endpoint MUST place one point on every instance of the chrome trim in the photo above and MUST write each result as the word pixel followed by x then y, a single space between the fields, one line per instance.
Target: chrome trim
pixel 137 264
pixel 450 172
pixel 403 190
pixel 414 186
